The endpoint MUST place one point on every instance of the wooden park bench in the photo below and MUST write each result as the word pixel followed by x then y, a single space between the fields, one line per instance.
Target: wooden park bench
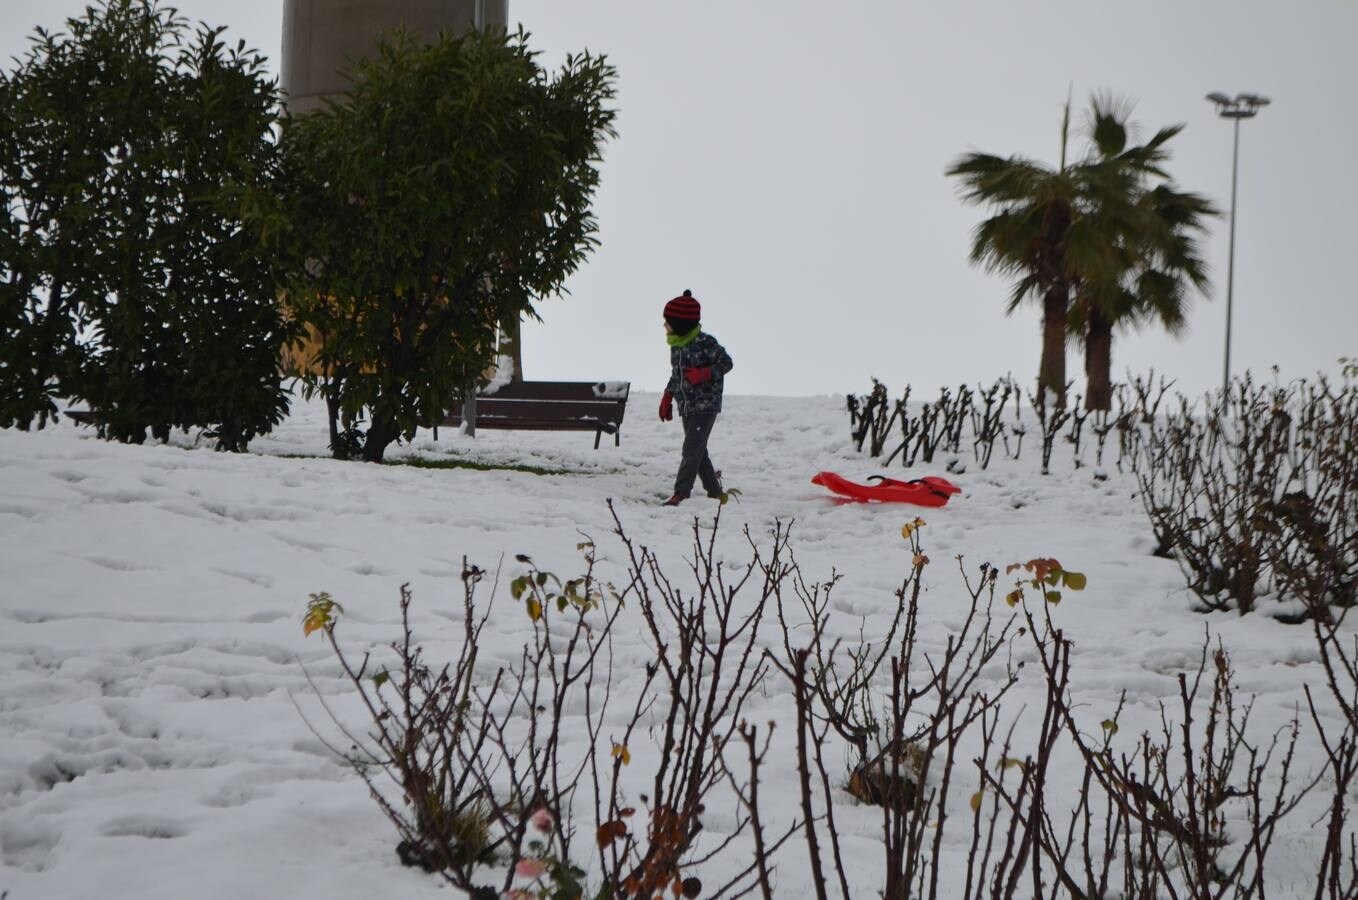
pixel 595 406
pixel 81 416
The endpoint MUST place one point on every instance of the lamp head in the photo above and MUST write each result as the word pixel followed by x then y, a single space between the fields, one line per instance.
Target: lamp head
pixel 1244 106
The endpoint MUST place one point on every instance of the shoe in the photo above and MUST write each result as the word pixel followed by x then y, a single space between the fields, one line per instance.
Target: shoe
pixel 721 490
pixel 673 501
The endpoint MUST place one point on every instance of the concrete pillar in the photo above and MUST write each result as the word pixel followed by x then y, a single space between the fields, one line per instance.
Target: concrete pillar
pixel 323 38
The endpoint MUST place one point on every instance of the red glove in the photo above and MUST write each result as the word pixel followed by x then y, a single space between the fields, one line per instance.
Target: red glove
pixel 698 376
pixel 666 407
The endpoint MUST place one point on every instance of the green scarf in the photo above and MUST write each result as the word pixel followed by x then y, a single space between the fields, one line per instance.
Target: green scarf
pixel 683 340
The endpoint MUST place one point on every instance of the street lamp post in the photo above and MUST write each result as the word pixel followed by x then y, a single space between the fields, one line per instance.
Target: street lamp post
pixel 1244 106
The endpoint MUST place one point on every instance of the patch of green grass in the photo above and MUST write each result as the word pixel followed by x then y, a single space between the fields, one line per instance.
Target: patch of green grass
pixel 420 462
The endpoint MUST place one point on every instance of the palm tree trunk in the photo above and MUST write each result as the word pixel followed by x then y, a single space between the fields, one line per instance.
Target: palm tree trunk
pixel 1098 362
pixel 1052 369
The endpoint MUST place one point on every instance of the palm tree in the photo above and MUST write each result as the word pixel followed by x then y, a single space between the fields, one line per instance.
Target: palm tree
pixel 1150 231
pixel 1091 231
pixel 1028 238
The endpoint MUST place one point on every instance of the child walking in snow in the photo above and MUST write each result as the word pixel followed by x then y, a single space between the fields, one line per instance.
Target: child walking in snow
pixel 698 364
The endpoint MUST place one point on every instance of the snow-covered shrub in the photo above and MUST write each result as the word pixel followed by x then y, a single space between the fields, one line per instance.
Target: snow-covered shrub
pixel 488 790
pixel 1192 810
pixel 980 415
pixel 1258 494
pixel 904 716
pixel 520 779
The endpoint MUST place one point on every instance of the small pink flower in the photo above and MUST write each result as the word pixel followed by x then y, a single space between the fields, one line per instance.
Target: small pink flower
pixel 530 868
pixel 542 820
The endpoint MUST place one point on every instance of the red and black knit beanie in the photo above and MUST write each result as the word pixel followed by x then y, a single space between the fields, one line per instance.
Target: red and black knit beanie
pixel 683 313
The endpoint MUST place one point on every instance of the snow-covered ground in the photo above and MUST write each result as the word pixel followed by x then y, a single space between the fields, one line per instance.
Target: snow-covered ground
pixel 152 659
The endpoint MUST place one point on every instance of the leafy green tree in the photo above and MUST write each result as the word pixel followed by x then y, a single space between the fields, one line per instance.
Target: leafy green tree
pixel 131 279
pixel 1093 232
pixel 444 194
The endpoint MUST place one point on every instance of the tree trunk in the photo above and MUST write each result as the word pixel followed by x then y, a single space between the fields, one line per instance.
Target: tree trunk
pixel 332 413
pixel 1052 369
pixel 380 435
pixel 1098 362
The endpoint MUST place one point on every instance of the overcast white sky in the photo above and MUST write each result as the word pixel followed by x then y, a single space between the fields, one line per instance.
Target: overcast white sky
pixel 784 159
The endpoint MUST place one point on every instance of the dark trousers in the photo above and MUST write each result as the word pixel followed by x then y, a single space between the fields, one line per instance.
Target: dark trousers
pixel 695 462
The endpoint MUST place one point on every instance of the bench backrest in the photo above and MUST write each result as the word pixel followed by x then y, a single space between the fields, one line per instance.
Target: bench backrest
pixel 586 391
pixel 565 401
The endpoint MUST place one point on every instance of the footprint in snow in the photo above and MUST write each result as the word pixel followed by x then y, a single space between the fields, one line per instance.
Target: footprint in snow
pixel 144 826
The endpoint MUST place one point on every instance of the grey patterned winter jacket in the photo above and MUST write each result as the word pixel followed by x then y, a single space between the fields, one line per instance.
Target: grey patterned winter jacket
pixel 702 352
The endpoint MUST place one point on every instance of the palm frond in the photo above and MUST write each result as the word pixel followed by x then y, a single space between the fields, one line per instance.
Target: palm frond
pixel 1023 288
pixel 1002 243
pixel 1108 123
pixel 997 181
pixel 1161 300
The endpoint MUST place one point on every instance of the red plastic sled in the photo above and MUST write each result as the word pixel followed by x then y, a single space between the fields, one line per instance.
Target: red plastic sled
pixel 927 491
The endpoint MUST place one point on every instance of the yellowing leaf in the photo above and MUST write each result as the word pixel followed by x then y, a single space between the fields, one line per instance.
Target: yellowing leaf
pixel 976 801
pixel 534 609
pixel 1109 726
pixel 1009 763
pixel 620 751
pixel 313 622
pixel 320 613
pixel 1052 597
pixel 1074 580
pixel 906 530
pixel 1014 596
